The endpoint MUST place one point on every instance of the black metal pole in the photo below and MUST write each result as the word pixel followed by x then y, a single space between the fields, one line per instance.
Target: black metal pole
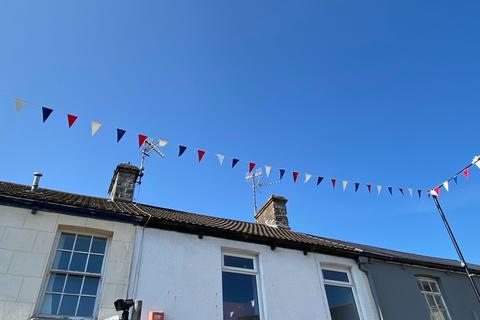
pixel 457 248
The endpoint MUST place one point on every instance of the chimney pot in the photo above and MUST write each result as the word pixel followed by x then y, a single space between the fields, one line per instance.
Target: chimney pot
pixel 122 186
pixel 273 213
pixel 36 180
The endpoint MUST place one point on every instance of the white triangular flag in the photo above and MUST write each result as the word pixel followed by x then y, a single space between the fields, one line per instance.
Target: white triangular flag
pixel 95 127
pixel 476 161
pixel 220 157
pixel 379 189
pixel 307 177
pixel 410 190
pixel 445 185
pixel 267 170
pixel 433 192
pixel 344 184
pixel 252 303
pixel 162 143
pixel 19 103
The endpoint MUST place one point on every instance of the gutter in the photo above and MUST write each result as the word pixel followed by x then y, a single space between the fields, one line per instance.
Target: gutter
pixel 363 265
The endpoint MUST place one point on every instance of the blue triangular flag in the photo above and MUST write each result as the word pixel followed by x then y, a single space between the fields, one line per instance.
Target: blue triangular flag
pixel 356 186
pixel 46 112
pixel 234 162
pixel 455 179
pixel 319 179
pixel 419 193
pixel 181 150
pixel 120 133
pixel 390 190
pixel 282 172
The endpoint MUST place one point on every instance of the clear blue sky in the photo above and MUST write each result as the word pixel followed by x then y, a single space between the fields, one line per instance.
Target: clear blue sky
pixel 370 91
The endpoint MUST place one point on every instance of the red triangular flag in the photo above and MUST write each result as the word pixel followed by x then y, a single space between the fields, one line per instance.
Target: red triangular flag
pixel 201 153
pixel 251 165
pixel 437 191
pixel 141 139
pixel 334 181
pixel 71 119
pixel 465 173
pixel 295 176
pixel 369 187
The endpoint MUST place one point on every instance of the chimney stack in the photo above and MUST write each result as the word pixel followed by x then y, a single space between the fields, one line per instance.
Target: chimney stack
pixel 273 213
pixel 123 182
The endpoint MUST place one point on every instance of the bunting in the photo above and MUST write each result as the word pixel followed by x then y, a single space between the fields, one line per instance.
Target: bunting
pixel 357 185
pixel 71 119
pixel 419 193
pixel 251 165
pixel 162 143
pixel 295 176
pixel 390 190
pixel 46 112
pixel 401 191
pixel 200 154
pixel 95 126
pixel 379 189
pixel 319 180
pixel 234 162
pixel 369 188
pixel 267 170
pixel 120 134
pixel 181 150
pixel 307 177
pixel 141 140
pixel 344 185
pixel 281 172
pixel 410 191
pixel 445 185
pixel 334 182
pixel 220 158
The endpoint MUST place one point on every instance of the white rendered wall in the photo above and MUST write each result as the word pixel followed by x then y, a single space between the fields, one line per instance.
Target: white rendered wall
pixel 181 275
pixel 26 243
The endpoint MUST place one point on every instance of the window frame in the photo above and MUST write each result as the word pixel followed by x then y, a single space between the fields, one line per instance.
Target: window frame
pixel 350 284
pixel 254 272
pixel 420 279
pixel 49 270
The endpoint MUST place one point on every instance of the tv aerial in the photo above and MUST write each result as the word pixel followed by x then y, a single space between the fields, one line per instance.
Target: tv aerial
pixel 257 183
pixel 150 146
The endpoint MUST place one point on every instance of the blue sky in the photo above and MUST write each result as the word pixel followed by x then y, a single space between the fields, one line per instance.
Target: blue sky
pixel 373 91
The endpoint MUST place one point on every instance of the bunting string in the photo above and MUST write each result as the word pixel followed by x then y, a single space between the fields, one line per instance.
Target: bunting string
pixel 95 127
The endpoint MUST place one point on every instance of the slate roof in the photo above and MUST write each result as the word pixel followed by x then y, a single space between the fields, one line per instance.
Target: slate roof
pixel 202 225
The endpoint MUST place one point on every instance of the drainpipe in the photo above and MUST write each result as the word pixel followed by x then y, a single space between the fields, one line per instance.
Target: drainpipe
pixel 363 265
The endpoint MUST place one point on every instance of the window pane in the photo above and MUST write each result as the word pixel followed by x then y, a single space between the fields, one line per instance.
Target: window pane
pixel 74 284
pixel 85 308
pixel 61 260
pixel 50 303
pixel 98 245
pixel 426 286
pixel 68 306
pixel 83 243
pixel 95 263
pixel 238 262
pixel 79 260
pixel 55 283
pixel 341 303
pixel 335 275
pixel 430 301
pixel 240 300
pixel 66 241
pixel 434 287
pixel 90 285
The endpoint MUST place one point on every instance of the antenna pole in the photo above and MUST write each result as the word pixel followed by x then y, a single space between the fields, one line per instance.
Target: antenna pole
pixel 254 187
pixel 457 247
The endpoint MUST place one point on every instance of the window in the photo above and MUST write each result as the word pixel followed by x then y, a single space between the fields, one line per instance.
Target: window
pixel 340 296
pixel 433 296
pixel 240 287
pixel 74 277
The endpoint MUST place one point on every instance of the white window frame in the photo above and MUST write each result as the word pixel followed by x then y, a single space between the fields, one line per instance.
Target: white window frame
pixel 435 294
pixel 255 272
pixel 350 284
pixel 50 270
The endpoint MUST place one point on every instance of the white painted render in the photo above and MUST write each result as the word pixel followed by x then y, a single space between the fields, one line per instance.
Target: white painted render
pixel 180 274
pixel 26 245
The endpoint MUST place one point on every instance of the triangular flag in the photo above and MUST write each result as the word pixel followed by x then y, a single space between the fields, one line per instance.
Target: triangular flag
pixel 435 192
pixel 476 161
pixel 307 177
pixel 295 176
pixel 390 190
pixel 419 193
pixel 334 182
pixel 19 103
pixel 234 162
pixel 181 150
pixel 465 173
pixel 46 112
pixel 344 185
pixel 369 187
pixel 455 179
pixel 267 170
pixel 141 140
pixel 162 143
pixel 200 153
pixel 95 126
pixel 401 191
pixel 120 134
pixel 319 180
pixel 410 191
pixel 282 172
pixel 71 119
pixel 445 185
pixel 379 189
pixel 357 185
pixel 251 165
pixel 220 157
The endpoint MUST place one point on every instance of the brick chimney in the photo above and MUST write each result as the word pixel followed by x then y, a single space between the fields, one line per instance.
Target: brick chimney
pixel 273 213
pixel 123 182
